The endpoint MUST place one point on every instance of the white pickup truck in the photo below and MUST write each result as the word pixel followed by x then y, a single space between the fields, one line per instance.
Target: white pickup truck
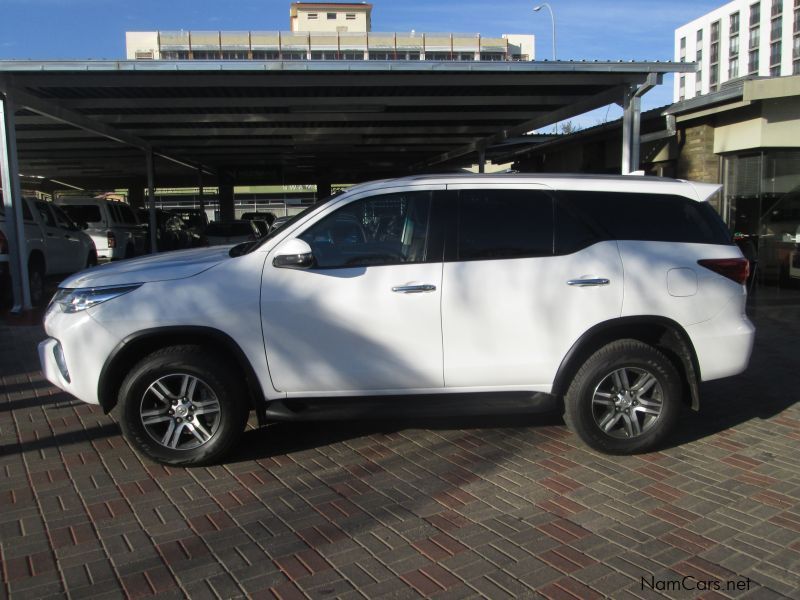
pixel 55 245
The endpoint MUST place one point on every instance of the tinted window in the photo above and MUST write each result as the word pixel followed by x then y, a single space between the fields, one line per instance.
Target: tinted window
pixel 46 215
pixel 573 233
pixel 127 215
pixel 62 219
pixel 650 217
pixel 497 224
pixel 380 230
pixel 83 213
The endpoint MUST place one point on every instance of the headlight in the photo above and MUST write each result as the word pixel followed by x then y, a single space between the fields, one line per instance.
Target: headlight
pixel 72 300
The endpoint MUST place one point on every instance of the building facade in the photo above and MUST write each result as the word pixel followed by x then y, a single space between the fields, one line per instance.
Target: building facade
pixel 332 17
pixel 744 38
pixel 326 31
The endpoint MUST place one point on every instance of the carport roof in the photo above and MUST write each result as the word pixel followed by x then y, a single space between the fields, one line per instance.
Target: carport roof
pixel 87 123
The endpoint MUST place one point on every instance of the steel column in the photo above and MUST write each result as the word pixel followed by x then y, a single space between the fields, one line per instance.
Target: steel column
pixel 12 200
pixel 151 199
pixel 481 160
pixel 200 196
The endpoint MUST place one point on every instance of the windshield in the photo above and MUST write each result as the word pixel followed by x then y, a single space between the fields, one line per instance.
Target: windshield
pixel 293 220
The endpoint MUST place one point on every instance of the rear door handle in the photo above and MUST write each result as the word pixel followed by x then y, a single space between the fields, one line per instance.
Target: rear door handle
pixel 414 289
pixel 588 282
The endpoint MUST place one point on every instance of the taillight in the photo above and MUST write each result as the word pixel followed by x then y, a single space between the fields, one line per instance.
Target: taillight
pixel 3 243
pixel 737 269
pixel 112 240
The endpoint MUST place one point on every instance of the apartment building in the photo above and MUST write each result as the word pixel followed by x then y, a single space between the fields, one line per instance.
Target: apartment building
pixel 740 39
pixel 327 31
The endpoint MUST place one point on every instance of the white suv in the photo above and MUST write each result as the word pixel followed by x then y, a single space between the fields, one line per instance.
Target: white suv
pixel 112 225
pixel 615 296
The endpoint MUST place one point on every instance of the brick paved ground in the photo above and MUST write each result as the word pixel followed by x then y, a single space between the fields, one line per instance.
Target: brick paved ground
pixel 448 508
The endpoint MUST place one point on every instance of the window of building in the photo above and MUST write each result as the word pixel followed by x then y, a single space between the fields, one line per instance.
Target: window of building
pixel 797 20
pixel 796 47
pixel 734 24
pixel 331 16
pixel 324 55
pixel 752 62
pixel 777 7
pixel 234 55
pixel 464 56
pixel 438 56
pixel 144 55
pixel 350 16
pixel 698 83
pixel 266 55
pixel 775 54
pixel 380 230
pixel 409 55
pixel 174 55
pixel 713 77
pixel 205 54
pixel 715 32
pixel 755 38
pixel 503 224
pixel 796 67
pixel 383 55
pixel 351 55
pixel 492 56
pixel 714 54
pixel 681 87
pixel 776 29
pixel 755 14
pixel 312 16
pixel 733 46
pixel 293 55
pixel 733 68
pixel 683 49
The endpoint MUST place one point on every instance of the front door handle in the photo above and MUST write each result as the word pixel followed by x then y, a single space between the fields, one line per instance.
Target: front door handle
pixel 588 282
pixel 414 289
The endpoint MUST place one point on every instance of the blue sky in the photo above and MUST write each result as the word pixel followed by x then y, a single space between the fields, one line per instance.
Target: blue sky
pixel 586 29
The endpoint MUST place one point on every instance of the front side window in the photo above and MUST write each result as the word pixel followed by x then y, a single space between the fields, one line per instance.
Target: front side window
pixel 46 216
pixel 502 224
pixel 389 229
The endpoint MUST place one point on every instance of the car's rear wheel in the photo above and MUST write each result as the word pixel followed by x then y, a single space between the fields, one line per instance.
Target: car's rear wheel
pixel 183 405
pixel 624 399
pixel 91 259
pixel 36 281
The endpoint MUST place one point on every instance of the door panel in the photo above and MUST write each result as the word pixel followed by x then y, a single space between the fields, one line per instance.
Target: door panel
pixel 351 324
pixel 509 313
pixel 511 322
pixel 57 246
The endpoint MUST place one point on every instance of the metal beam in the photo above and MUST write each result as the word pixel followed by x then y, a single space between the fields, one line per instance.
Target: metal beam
pixel 12 200
pixel 631 123
pixel 565 112
pixel 151 198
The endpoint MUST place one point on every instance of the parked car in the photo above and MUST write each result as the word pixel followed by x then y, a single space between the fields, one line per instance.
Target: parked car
pixel 259 216
pixel 195 219
pixel 280 222
pixel 55 245
pixel 262 226
pixel 498 288
pixel 233 232
pixel 112 225
pixel 172 232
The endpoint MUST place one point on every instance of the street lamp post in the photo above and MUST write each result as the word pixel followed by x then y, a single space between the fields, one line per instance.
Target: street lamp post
pixel 552 20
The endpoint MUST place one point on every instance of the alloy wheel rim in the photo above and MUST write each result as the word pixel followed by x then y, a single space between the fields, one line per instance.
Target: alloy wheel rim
pixel 627 402
pixel 180 411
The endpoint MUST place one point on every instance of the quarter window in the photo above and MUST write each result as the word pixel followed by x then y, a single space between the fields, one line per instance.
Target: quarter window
pixel 500 224
pixel 389 229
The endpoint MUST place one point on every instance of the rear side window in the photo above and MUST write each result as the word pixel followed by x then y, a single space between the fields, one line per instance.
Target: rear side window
pixel 83 213
pixel 500 224
pixel 127 215
pixel 649 217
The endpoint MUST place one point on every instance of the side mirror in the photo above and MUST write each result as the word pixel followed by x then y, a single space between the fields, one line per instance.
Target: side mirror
pixel 293 254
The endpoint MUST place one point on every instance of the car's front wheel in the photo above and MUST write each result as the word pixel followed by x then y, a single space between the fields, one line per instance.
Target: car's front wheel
pixel 624 399
pixel 183 406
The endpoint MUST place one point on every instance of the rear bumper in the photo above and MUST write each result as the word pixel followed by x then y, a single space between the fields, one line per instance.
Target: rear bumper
pixel 723 347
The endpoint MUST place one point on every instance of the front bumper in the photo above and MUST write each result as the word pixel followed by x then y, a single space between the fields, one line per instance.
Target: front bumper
pixel 83 345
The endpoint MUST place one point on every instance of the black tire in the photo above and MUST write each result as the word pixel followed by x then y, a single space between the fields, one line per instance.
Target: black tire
pixel 584 412
pixel 91 259
pixel 36 281
pixel 167 366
